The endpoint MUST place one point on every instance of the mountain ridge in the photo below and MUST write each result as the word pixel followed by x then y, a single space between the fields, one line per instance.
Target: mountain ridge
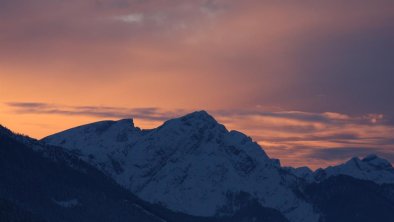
pixel 197 163
pixel 204 117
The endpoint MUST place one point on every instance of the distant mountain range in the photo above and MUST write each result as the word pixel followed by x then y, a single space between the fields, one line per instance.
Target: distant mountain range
pixel 189 169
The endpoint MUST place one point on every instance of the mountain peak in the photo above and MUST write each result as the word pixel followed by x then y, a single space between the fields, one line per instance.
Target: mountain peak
pixel 201 115
pixel 198 120
pixel 370 157
pixel 376 161
pixel 128 121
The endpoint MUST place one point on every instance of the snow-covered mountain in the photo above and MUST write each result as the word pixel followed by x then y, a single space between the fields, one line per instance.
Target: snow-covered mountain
pixel 372 168
pixel 194 165
pixel 191 164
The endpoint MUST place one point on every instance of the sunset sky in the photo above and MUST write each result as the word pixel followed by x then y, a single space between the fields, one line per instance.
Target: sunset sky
pixel 311 81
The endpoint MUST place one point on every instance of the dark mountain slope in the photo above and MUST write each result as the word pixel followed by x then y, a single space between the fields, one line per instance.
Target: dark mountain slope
pixel 50 188
pixel 9 212
pixel 346 199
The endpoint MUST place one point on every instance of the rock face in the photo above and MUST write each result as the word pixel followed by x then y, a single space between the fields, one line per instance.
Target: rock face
pixel 191 164
pixel 194 165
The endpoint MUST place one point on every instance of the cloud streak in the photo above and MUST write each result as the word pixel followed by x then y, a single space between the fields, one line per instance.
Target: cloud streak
pixel 148 113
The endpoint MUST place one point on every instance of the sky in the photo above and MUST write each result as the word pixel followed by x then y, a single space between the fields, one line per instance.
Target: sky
pixel 311 81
